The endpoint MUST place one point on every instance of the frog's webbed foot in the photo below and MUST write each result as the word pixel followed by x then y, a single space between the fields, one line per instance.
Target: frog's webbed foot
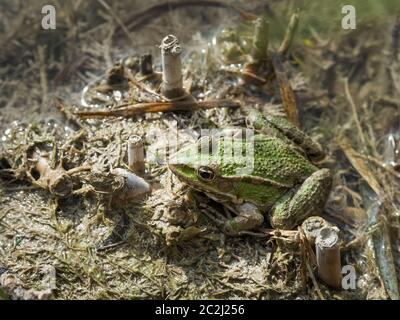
pixel 310 198
pixel 248 218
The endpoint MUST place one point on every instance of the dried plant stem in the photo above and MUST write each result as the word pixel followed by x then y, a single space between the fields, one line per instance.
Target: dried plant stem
pixel 275 233
pixel 260 39
pixel 288 97
pixel 139 19
pixel 354 110
pixel 118 20
pixel 43 73
pixel 80 169
pixel 311 227
pixel 140 85
pixel 247 72
pixel 289 35
pixel 146 64
pixel 140 108
pixel 314 281
pixel 328 257
pixel 136 154
pixel 381 165
pixel 67 113
pixel 172 79
pixel 382 248
pixel 361 167
pixel 308 259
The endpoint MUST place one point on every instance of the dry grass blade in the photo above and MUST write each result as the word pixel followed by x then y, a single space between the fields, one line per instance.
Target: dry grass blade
pixel 66 112
pixel 382 248
pixel 141 86
pixel 314 281
pixel 245 73
pixel 289 35
pixel 307 255
pixel 354 110
pixel 288 97
pixel 361 166
pixel 140 19
pixel 140 108
pixel 118 20
pixel 385 262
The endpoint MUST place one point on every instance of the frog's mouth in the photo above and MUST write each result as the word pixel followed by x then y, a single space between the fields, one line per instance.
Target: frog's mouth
pixel 198 185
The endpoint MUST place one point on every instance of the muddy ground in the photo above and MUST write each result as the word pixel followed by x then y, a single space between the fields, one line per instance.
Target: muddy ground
pixel 93 245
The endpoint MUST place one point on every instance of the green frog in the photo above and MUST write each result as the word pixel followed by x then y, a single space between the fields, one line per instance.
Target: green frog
pixel 281 182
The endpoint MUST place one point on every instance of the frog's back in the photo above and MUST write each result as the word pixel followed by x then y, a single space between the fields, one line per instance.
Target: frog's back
pixel 280 162
pixel 276 161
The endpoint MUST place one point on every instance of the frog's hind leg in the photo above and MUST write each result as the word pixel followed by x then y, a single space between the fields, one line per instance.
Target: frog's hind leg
pixel 283 128
pixel 309 199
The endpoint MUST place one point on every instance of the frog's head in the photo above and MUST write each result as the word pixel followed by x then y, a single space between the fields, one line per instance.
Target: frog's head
pixel 203 171
pixel 247 176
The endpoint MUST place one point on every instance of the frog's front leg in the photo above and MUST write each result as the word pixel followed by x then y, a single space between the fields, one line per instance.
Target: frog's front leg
pixel 309 199
pixel 248 217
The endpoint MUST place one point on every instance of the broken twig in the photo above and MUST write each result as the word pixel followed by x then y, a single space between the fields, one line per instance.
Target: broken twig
pixel 361 166
pixel 140 19
pixel 381 244
pixel 172 84
pixel 328 257
pixel 140 108
pixel 136 155
pixel 260 39
pixel 146 64
pixel 289 35
pixel 311 227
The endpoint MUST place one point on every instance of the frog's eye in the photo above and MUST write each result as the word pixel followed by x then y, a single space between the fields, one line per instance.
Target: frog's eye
pixel 206 173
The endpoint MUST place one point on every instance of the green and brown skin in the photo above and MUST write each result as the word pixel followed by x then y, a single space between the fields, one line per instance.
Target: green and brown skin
pixel 283 182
